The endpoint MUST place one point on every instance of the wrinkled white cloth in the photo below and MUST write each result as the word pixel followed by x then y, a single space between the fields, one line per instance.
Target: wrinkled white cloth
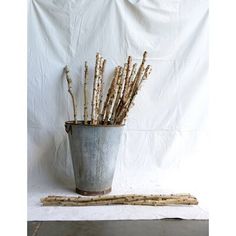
pixel 163 139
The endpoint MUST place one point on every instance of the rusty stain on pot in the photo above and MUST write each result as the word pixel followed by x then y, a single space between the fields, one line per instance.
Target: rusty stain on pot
pixel 90 193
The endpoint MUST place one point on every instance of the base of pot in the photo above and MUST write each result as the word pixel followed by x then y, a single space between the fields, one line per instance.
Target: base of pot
pixel 92 193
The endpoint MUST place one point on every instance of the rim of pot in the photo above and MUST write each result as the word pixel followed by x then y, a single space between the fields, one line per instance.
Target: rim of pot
pixel 81 122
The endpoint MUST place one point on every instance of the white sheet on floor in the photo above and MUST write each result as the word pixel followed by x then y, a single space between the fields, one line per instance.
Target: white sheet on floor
pixel 115 212
pixel 164 139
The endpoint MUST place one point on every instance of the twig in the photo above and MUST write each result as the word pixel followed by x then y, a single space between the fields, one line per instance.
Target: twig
pixel 69 82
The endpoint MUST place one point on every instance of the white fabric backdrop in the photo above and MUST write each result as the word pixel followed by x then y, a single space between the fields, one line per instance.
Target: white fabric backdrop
pixel 162 145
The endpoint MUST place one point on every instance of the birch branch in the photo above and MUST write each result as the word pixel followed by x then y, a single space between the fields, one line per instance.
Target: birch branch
pixel 120 82
pixel 148 200
pixel 95 87
pixel 69 82
pixel 100 61
pixel 124 87
pixel 138 76
pixel 134 92
pixel 105 105
pixel 120 103
pixel 131 78
pixel 101 88
pixel 112 95
pixel 85 94
pixel 124 109
pixel 127 76
pixel 129 197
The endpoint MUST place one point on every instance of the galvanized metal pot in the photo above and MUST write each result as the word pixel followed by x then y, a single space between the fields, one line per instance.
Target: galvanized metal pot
pixel 94 151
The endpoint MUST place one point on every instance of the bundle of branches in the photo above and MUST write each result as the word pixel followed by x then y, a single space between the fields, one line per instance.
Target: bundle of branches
pixel 123 89
pixel 148 200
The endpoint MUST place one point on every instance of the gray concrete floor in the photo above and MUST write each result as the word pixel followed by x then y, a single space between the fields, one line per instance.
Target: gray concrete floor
pixel 167 227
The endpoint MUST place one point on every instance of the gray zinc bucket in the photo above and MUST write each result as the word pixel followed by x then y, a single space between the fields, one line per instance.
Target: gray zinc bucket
pixel 94 151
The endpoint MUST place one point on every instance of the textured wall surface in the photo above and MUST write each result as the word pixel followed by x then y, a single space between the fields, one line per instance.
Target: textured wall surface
pixel 163 127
